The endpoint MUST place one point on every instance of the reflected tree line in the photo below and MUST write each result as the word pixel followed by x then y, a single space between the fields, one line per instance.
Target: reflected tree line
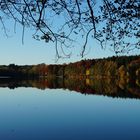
pixel 114 76
pixel 89 86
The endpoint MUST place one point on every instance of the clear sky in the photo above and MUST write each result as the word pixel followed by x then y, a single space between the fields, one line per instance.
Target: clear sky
pixel 35 52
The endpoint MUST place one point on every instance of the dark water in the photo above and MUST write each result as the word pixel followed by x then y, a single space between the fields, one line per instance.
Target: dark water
pixel 42 110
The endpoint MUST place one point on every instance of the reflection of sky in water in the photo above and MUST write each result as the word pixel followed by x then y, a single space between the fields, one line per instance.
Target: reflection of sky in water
pixel 27 113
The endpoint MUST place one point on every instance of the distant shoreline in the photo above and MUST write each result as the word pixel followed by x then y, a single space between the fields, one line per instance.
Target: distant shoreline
pixel 123 67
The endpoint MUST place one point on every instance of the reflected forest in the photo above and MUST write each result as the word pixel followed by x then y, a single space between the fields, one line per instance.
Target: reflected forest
pixel 114 76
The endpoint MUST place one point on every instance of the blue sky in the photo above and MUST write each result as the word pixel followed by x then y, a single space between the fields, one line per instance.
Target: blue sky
pixel 35 52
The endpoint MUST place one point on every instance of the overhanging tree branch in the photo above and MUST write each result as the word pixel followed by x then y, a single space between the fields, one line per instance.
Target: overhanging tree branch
pixel 113 23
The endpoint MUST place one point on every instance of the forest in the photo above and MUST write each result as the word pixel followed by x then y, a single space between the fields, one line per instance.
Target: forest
pixel 123 67
pixel 113 76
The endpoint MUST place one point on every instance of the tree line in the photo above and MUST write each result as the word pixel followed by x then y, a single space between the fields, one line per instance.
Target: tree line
pixel 115 67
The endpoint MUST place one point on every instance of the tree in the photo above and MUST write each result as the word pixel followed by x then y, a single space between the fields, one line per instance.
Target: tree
pixel 110 22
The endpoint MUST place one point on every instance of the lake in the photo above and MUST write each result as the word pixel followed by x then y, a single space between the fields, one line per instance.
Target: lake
pixel 53 110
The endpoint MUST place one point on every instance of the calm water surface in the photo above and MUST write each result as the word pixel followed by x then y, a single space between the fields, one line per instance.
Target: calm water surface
pixel 57 114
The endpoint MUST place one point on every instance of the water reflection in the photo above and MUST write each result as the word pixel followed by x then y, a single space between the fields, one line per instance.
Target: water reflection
pixel 30 113
pixel 123 88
